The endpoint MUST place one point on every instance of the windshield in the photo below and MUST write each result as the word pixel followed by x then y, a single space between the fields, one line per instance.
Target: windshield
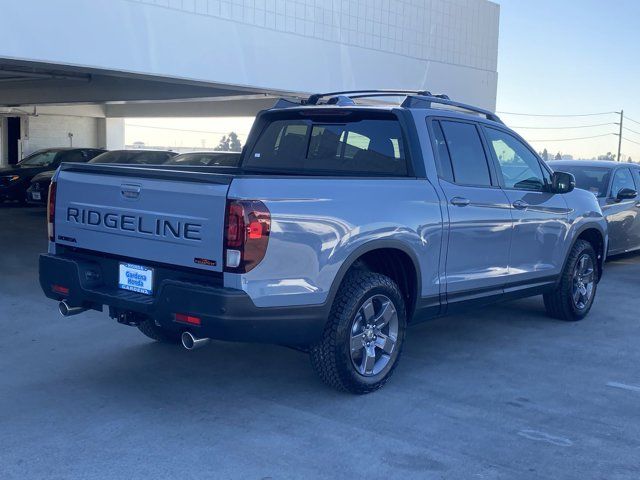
pixel 352 144
pixel 40 159
pixel 133 157
pixel 206 159
pixel 592 179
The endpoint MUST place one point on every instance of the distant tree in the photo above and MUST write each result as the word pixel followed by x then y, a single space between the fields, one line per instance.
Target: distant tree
pixel 234 142
pixel 609 156
pixel 223 146
pixel 229 143
pixel 545 155
pixel 558 156
pixel 630 160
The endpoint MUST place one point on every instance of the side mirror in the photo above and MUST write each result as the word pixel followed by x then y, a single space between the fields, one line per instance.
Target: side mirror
pixel 626 194
pixel 562 182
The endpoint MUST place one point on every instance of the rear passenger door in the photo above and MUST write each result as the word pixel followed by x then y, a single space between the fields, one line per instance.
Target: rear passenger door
pixel 540 218
pixel 479 215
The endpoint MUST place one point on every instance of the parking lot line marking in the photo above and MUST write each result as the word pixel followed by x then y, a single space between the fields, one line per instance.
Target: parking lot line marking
pixel 624 386
pixel 539 436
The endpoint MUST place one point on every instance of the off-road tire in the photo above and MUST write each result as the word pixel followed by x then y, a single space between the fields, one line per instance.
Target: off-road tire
pixel 559 303
pixel 331 356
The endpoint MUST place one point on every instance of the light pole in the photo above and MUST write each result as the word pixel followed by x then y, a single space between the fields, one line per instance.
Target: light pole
pixel 620 134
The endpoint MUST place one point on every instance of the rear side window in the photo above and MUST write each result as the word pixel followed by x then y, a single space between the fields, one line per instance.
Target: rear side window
pixel 321 145
pixel 116 156
pixel 74 156
pixel 150 158
pixel 468 160
pixel 443 161
pixel 93 153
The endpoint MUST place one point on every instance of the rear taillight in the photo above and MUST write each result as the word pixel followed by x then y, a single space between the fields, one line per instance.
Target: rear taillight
pixel 51 211
pixel 247 228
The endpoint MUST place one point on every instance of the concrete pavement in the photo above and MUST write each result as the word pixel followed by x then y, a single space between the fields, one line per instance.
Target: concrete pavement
pixel 506 393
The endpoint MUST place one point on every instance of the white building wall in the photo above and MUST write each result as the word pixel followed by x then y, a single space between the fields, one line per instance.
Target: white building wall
pixel 446 46
pixel 49 131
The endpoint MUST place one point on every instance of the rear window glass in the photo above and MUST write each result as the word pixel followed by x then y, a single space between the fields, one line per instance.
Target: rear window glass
pixel 592 179
pixel 133 157
pixel 206 159
pixel 359 146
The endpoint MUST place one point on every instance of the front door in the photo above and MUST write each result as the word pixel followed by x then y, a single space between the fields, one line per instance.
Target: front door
pixel 480 222
pixel 622 215
pixel 540 218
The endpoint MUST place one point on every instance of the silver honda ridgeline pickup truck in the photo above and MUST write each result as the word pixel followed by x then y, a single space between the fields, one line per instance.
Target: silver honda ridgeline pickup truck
pixel 344 223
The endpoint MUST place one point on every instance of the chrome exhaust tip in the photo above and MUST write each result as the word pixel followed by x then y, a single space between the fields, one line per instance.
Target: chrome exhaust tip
pixel 67 310
pixel 191 342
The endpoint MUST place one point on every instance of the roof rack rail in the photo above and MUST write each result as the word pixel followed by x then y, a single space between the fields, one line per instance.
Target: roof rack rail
pixel 314 99
pixel 425 101
pixel 415 99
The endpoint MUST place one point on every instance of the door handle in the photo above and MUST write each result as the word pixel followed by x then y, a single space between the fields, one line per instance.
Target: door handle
pixel 460 202
pixel 520 204
pixel 637 204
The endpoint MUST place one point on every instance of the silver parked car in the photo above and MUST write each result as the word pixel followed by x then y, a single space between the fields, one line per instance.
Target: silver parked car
pixel 616 186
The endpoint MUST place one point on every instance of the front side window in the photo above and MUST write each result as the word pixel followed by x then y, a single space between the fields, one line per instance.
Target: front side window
pixel 357 145
pixel 519 166
pixel 636 177
pixel 621 179
pixel 468 160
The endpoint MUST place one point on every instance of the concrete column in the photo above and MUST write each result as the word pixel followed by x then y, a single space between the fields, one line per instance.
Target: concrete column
pixel 111 133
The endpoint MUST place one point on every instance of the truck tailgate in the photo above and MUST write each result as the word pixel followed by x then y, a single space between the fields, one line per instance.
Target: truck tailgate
pixel 159 215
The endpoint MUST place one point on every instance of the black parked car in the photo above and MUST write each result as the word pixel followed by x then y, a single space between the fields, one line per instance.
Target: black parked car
pixel 15 179
pixel 206 159
pixel 616 186
pixel 39 188
pixel 37 192
pixel 135 157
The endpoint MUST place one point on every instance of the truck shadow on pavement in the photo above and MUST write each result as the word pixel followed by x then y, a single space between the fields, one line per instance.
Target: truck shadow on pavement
pixel 227 371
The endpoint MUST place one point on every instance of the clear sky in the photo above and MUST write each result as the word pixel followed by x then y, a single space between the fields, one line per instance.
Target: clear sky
pixel 555 57
pixel 571 56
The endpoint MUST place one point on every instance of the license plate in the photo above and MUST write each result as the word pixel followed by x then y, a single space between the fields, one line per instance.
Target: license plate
pixel 136 278
pixel 36 195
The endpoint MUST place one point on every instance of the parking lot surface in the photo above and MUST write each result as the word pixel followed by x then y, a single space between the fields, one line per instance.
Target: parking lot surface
pixel 504 393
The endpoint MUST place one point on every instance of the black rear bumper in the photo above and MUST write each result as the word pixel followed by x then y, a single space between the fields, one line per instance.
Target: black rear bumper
pixel 43 191
pixel 225 313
